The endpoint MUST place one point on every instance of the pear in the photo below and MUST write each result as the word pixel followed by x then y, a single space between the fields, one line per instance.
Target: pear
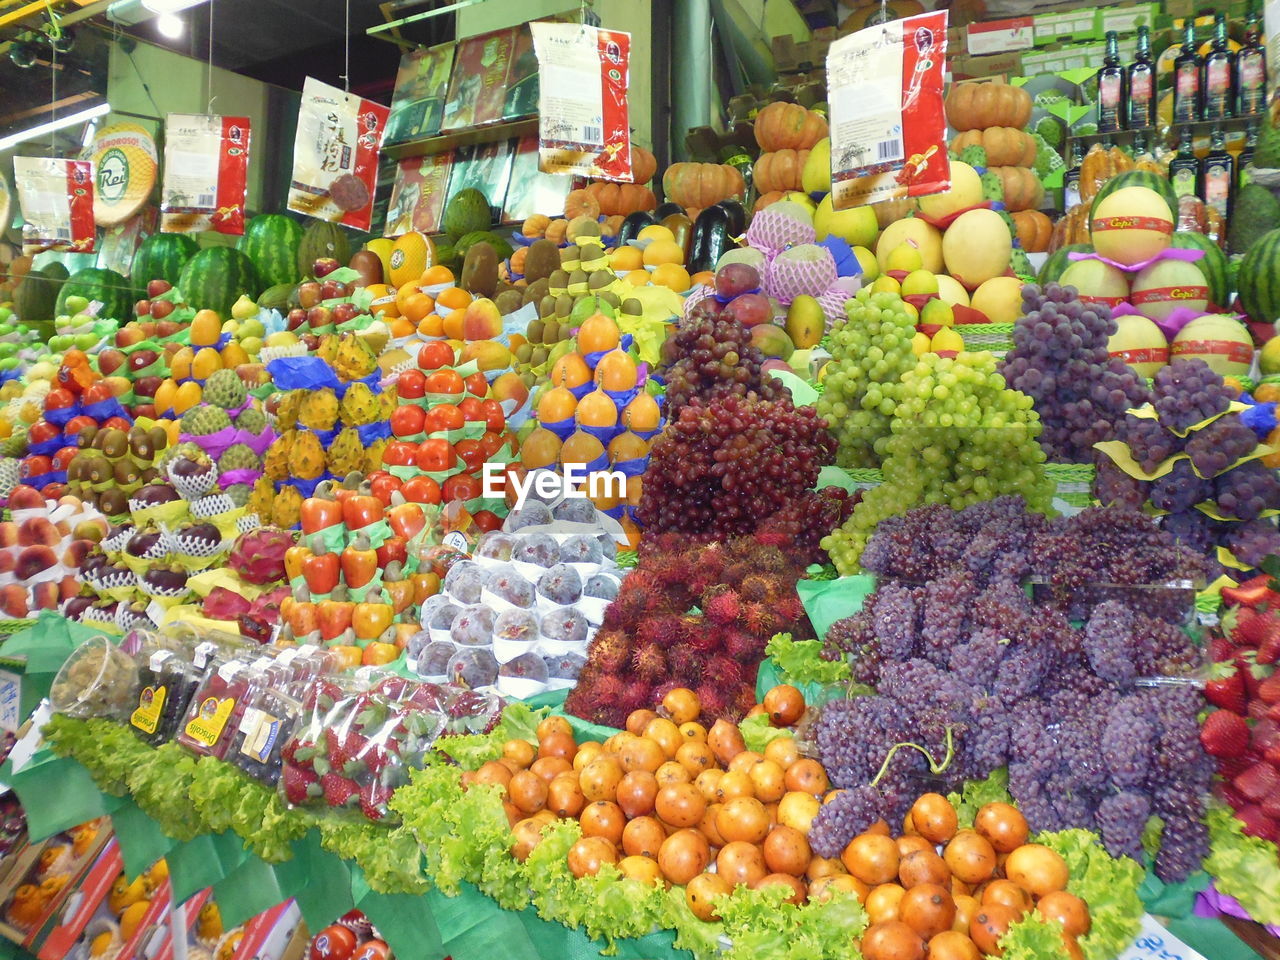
pixel 886 285
pixel 920 344
pixel 904 257
pixel 938 312
pixel 244 308
pixel 805 321
pixel 816 176
pixel 867 260
pixel 946 342
pixel 918 283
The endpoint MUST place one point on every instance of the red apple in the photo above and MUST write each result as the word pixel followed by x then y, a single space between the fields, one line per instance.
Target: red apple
pixel 295 318
pixel 332 290
pixel 144 410
pixel 319 316
pixel 167 328
pixel 157 287
pixel 110 360
pixel 142 308
pixel 750 309
pixel 324 266
pixel 146 386
pixel 141 359
pixel 310 341
pixel 161 309
pixel 343 312
pixel 309 294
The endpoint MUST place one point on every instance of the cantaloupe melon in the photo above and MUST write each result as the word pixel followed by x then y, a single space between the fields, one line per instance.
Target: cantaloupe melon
pixel 926 239
pixel 1139 343
pixel 1000 298
pixel 1097 282
pixel 976 247
pixel 1167 285
pixel 965 192
pixel 1220 341
pixel 1131 225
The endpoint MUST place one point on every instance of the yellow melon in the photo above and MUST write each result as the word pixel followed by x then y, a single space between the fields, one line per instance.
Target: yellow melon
pixel 1131 225
pixel 1000 298
pixel 1139 343
pixel 965 192
pixel 952 291
pixel 976 247
pixel 914 231
pixel 1220 341
pixel 411 254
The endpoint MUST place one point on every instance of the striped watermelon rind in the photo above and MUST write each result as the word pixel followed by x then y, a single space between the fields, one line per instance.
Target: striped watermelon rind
pixel 161 256
pixel 1138 178
pixel 1052 269
pixel 215 278
pixel 1256 279
pixel 322 239
pixel 271 241
pixel 113 291
pixel 1213 264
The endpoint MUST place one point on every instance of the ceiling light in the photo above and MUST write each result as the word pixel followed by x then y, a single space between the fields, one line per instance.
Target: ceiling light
pixel 170 25
pixel 69 120
pixel 161 7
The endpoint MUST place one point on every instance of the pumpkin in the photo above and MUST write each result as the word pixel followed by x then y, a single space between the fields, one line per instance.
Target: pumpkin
pixel 1073 227
pixel 977 106
pixel 557 230
pixel 613 225
pixel 1099 166
pixel 701 184
pixel 788 126
pixel 580 203
pixel 643 165
pixel 1005 146
pixel 536 225
pixel 780 170
pixel 621 198
pixel 1033 229
pixel 1022 188
pixel 762 201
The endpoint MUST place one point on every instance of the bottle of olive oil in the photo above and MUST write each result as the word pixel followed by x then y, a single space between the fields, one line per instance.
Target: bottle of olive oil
pixel 1218 174
pixel 1184 168
pixel 1111 88
pixel 1251 69
pixel 1186 77
pixel 1218 75
pixel 1142 85
pixel 1071 179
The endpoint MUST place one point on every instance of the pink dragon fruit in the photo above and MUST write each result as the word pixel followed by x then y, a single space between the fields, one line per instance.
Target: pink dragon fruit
pixel 223 604
pixel 258 556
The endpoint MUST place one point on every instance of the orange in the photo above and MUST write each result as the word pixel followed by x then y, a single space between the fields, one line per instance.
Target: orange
pixel 404 293
pixel 399 326
pixel 637 278
pixel 703 278
pixel 616 371
pixel 432 325
pixel 672 276
pixel 453 324
pixel 453 298
pixel 626 258
pixel 656 231
pixel 410 255
pixel 384 301
pixel 416 306
pixel 570 371
pixel 663 251
pixel 436 274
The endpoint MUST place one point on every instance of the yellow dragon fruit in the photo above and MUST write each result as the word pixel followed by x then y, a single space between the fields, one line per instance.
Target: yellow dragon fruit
pixel 287 411
pixel 346 453
pixel 275 464
pixel 286 508
pixel 360 405
pixel 319 410
pixel 355 359
pixel 328 348
pixel 260 499
pixel 306 457
pixel 373 456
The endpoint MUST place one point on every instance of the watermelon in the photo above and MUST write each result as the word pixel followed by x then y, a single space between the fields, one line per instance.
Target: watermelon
pixel 1258 286
pixel 215 278
pixel 160 257
pixel 1213 264
pixel 1138 178
pixel 35 297
pixel 322 239
pixel 106 286
pixel 271 241
pixel 1058 262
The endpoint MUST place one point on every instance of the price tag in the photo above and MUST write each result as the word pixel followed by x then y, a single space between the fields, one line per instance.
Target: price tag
pixel 1154 942
pixel 888 130
pixel 10 701
pixel 57 204
pixel 583 125
pixel 206 166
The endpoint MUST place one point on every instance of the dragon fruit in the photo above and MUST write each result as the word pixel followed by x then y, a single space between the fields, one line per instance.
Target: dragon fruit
pixel 257 621
pixel 807 268
pixel 258 557
pixel 224 604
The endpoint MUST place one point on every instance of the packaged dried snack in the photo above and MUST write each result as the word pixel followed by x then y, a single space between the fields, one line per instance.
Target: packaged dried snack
pixel 97 680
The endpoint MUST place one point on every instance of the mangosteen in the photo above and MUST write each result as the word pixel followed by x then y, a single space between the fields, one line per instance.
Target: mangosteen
pixel 74 608
pixel 154 494
pixel 189 467
pixel 170 578
pixel 142 542
pixel 202 532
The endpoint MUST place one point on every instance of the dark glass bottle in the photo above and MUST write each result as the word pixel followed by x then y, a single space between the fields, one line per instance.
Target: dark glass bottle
pixel 1184 168
pixel 1186 78
pixel 1111 88
pixel 1217 175
pixel 1218 78
pixel 1142 85
pixel 1251 70
pixel 1244 163
pixel 1071 179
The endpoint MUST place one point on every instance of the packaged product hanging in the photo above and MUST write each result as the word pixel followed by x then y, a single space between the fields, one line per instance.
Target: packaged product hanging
pixel 582 100
pixel 206 170
pixel 888 129
pixel 57 204
pixel 335 155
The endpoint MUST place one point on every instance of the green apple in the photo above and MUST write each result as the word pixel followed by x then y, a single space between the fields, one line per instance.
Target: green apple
pixel 6 329
pixel 84 341
pixel 60 341
pixel 251 328
pixel 9 363
pixel 251 345
pixel 77 304
pixel 82 318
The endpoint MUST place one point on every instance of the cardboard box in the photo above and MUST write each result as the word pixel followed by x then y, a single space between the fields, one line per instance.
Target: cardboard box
pixel 790 56
pixel 1040 62
pixel 957 41
pixel 1000 64
pixel 1000 36
pixel 87 902
pixel 1126 19
pixel 1076 24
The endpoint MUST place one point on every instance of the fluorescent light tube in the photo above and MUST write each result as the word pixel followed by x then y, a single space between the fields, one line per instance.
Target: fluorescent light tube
pixel 69 120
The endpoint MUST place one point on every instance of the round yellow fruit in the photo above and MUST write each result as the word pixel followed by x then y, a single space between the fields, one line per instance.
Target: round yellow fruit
pixel 926 239
pixel 1139 343
pixel 1131 225
pixel 965 192
pixel 1220 341
pixel 656 231
pixel 1000 298
pixel 952 290
pixel 976 247
pixel 867 260
pixel 857 226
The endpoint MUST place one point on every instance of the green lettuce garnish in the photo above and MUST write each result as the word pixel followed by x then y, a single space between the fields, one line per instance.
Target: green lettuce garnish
pixel 976 794
pixel 519 721
pixel 1109 885
pixel 391 859
pixel 800 661
pixel 161 787
pixel 1244 867
pixel 1034 938
pixel 758 732
pixel 107 750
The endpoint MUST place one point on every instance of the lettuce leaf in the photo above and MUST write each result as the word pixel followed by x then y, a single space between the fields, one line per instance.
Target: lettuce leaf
pixel 107 750
pixel 1034 938
pixel 800 661
pixel 1108 884
pixel 161 787
pixel 758 732
pixel 1244 867
pixel 391 859
pixel 519 721
pixel 976 794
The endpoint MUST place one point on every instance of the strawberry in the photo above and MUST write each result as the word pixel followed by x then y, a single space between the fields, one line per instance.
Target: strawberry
pixel 342 747
pixel 1269 645
pixel 1250 627
pixel 338 790
pixel 1233 797
pixel 1269 689
pixel 296 784
pixel 1271 805
pixel 1225 734
pixel 1258 781
pixel 1256 823
pixel 373 800
pixel 1221 649
pixel 1225 688
pixel 1252 593
pixel 1231 767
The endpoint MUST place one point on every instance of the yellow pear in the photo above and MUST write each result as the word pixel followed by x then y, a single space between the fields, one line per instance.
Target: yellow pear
pixel 952 290
pixel 920 344
pixel 904 257
pixel 938 312
pixel 946 340
pixel 816 176
pixel 281 338
pixel 919 282
pixel 857 226
pixel 244 308
pixel 870 265
pixel 886 285
pixel 805 321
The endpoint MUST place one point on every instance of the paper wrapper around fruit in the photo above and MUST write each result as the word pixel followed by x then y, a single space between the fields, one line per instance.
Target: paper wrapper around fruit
pixel 377 533
pixel 140 565
pixel 170 513
pixel 1188 254
pixel 1148 412
pixel 334 538
pixel 192 486
pixel 204 583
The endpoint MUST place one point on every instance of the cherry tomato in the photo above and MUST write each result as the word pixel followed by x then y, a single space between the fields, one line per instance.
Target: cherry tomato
pixel 470 453
pixel 445 381
pixel 399 453
pixel 435 455
pixel 411 384
pixel 461 486
pixel 421 490
pixel 494 418
pixel 407 420
pixel 435 355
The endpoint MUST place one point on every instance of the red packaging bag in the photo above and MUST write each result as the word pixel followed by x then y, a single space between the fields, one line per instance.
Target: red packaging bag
pixel 57 204
pixel 206 170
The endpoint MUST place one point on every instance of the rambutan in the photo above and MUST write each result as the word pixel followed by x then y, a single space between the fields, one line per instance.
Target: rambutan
pixel 685 663
pixel 756 588
pixel 743 701
pixel 663 629
pixel 599 702
pixel 649 662
pixel 714 702
pixel 704 636
pixel 668 568
pixel 724 672
pixel 759 619
pixel 743 646
pixel 722 606
pixel 638 695
pixel 789 608
pixel 630 604
pixel 610 650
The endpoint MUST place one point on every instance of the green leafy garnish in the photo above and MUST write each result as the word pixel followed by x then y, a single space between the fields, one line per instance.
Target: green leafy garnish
pixel 1033 938
pixel 519 721
pixel 976 794
pixel 161 787
pixel 1109 885
pixel 758 732
pixel 800 661
pixel 1244 867
pixel 108 750
pixel 390 859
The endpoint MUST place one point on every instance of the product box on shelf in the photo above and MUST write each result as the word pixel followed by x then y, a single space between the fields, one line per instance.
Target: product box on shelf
pixel 422 83
pixel 152 927
pixel 1079 23
pixel 790 56
pixel 974 68
pixel 1126 18
pixel 1000 36
pixel 478 83
pixel 957 41
pixel 87 904
pixel 57 870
